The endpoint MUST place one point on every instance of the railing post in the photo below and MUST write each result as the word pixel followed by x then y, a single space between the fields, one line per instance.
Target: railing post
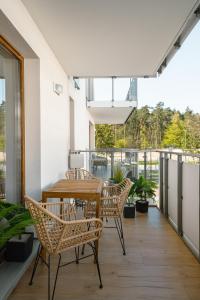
pixel 112 164
pixel 161 183
pixel 145 164
pixel 180 195
pixel 135 165
pixel 166 185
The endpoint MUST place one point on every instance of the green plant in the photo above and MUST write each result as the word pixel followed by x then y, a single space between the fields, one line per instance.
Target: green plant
pixel 143 188
pixel 130 200
pixel 118 174
pixel 13 221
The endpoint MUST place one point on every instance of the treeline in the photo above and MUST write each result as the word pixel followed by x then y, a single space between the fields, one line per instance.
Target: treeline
pixel 156 127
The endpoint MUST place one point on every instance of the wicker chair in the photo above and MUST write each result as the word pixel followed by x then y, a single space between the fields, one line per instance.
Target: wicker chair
pixel 79 174
pixel 111 206
pixel 57 232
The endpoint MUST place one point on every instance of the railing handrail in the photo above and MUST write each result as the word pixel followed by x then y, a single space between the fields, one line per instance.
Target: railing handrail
pixel 162 151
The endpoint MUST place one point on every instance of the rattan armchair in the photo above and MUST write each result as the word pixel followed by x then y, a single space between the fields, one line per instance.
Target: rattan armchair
pixel 57 233
pixel 79 174
pixel 111 206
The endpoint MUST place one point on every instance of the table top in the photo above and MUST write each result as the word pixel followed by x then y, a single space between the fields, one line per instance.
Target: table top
pixel 75 188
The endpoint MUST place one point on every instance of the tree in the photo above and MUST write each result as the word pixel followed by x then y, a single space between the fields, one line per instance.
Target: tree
pixel 153 127
pixel 192 130
pixel 104 136
pixel 175 133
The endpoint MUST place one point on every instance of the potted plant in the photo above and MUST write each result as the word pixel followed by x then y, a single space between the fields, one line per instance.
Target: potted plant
pixel 129 207
pixel 118 175
pixel 143 189
pixel 14 241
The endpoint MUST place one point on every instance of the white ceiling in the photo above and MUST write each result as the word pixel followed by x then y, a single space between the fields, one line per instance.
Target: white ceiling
pixel 110 115
pixel 111 37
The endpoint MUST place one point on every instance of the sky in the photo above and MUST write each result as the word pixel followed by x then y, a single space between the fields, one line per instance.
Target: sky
pixel 179 84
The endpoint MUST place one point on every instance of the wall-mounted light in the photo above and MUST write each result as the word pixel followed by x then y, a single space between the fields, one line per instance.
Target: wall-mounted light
pixel 57 88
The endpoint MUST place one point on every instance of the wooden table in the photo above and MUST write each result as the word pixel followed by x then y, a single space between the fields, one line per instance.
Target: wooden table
pixel 89 190
pixel 81 189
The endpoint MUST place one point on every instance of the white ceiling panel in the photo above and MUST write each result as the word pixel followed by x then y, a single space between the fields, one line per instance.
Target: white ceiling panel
pixel 111 37
pixel 110 115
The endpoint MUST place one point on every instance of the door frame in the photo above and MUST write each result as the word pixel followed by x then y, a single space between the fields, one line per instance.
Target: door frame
pixel 20 58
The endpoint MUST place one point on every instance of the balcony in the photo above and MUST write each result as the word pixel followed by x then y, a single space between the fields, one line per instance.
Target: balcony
pixel 112 43
pixel 157 266
pixel 163 246
pixel 177 195
pixel 117 95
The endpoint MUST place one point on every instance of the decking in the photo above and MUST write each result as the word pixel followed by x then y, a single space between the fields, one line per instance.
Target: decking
pixel 157 266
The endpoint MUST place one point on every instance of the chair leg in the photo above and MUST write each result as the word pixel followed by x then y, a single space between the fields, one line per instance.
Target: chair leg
pixel 77 254
pixel 55 282
pixel 95 251
pixel 35 264
pixel 119 226
pixel 49 278
pixel 83 250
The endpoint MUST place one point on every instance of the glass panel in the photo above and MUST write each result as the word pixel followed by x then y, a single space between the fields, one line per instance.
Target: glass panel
pixel 121 88
pixel 102 89
pixel 10 138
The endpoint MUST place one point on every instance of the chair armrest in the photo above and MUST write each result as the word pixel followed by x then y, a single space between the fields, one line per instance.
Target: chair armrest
pixel 81 231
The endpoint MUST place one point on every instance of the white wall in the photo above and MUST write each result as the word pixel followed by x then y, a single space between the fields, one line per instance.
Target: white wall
pixel 191 205
pixel 82 116
pixel 47 114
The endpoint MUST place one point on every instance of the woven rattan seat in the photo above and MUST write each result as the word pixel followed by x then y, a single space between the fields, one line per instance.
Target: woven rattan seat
pixel 58 231
pixel 111 205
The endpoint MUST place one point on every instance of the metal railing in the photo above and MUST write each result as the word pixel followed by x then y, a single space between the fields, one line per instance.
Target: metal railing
pixel 102 162
pixel 178 178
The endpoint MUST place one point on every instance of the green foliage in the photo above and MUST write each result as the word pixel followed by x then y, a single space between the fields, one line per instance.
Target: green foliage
pixel 150 127
pixel 143 188
pixel 13 221
pixel 104 136
pixel 2 143
pixel 174 135
pixel 118 175
pixel 121 143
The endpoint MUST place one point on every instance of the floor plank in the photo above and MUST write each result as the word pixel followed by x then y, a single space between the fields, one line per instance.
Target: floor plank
pixel 158 266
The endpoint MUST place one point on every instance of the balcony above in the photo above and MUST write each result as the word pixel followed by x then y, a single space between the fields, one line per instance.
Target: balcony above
pixel 111 100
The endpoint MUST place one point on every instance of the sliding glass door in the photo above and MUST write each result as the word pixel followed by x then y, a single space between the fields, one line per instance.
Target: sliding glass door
pixel 10 126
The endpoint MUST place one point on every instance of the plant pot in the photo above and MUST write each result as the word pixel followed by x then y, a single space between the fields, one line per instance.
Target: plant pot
pixel 142 206
pixel 129 211
pixel 19 249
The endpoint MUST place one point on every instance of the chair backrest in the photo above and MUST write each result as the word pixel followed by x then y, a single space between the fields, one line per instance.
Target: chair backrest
pixel 48 226
pixel 79 174
pixel 123 190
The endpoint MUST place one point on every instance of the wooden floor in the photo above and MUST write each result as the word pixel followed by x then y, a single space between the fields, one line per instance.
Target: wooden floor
pixel 157 266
